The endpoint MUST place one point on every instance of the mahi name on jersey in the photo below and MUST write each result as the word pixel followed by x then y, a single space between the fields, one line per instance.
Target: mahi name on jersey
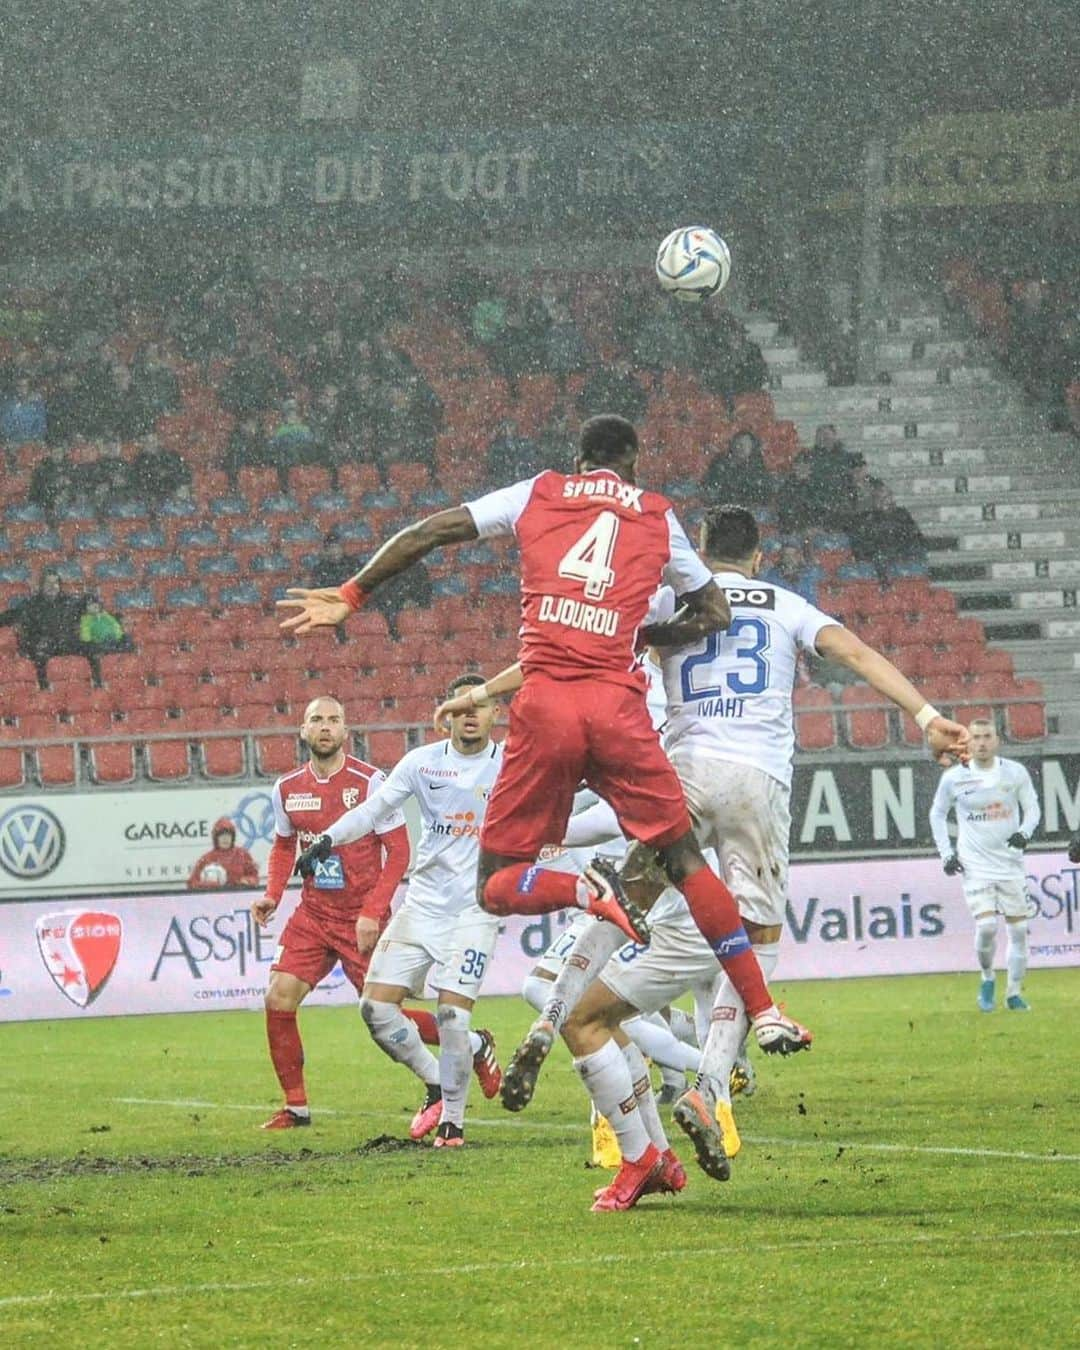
pixel 731 707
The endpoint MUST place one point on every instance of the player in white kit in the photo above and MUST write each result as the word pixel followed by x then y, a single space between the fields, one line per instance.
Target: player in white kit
pixel 439 931
pixel 997 812
pixel 730 735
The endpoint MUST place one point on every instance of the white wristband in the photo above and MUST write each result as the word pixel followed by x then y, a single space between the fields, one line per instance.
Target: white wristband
pixel 926 715
pixel 479 696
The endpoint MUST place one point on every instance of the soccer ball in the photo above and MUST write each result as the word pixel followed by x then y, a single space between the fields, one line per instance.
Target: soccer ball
pixel 693 263
pixel 214 874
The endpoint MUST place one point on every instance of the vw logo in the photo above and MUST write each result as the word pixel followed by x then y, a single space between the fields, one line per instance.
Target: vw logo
pixel 31 842
pixel 254 818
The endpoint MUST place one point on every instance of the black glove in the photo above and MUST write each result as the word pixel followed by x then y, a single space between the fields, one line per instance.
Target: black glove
pixel 1018 840
pixel 953 865
pixel 314 854
pixel 1074 849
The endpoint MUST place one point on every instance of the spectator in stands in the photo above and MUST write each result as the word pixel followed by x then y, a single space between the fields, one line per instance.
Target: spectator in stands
pixel 521 344
pixel 566 350
pixel 663 341
pixel 46 624
pixel 157 473
pixel 426 407
pixel 108 479
pixel 390 363
pixel 22 416
pixel 357 409
pixel 512 456
pixel 794 569
pixel 291 442
pixel 100 631
pixel 333 565
pixel 887 533
pixel 53 484
pixel 740 475
pixel 409 589
pixel 855 491
pixel 555 446
pixel 613 389
pixel 65 408
pixel 803 502
pixel 246 448
pixel 734 366
pixel 154 387
pixel 487 320
pixel 254 383
pixel 226 864
pixel 829 461
pixel 401 431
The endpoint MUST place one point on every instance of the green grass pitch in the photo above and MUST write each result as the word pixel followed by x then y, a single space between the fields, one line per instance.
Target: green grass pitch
pixel 914 1181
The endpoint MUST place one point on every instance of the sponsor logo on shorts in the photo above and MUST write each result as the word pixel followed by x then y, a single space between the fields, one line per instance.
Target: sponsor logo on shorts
pixel 79 948
pixel 724 1014
pixel 627 1106
pixel 297 801
pixel 528 881
pixel 579 962
pixel 732 944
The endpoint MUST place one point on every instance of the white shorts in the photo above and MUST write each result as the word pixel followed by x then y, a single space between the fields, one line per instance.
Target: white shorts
pixel 677 960
pixel 451 951
pixel 1009 898
pixel 554 958
pixel 745 815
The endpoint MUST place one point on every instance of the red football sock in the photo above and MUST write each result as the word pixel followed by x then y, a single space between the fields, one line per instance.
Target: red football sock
pixel 524 888
pixel 425 1024
pixel 717 915
pixel 287 1055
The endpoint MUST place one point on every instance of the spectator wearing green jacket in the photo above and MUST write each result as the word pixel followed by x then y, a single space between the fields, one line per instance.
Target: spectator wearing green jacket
pixel 99 630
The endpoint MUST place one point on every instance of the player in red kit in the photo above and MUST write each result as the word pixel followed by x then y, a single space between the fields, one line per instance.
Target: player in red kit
pixel 595 547
pixel 344 906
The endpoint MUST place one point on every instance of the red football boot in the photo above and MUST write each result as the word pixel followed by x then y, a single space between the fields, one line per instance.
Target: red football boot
pixel 426 1118
pixel 285 1120
pixel 630 1183
pixel 486 1066
pixel 670 1179
pixel 449 1135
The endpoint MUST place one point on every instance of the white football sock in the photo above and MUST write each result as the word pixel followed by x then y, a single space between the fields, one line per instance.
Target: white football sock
pixel 1017 957
pixel 534 990
pixel 639 1074
pixel 985 943
pixel 585 960
pixel 682 1026
pixel 607 1080
pixel 653 1037
pixel 455 1062
pixel 397 1037
pixel 729 1027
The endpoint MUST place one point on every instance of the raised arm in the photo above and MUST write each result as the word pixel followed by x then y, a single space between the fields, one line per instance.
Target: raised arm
pixel 948 741
pixel 331 607
pixel 479 695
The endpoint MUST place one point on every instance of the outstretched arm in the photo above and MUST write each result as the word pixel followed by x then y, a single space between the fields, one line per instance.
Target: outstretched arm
pixel 479 695
pixel 331 607
pixel 703 611
pixel 948 741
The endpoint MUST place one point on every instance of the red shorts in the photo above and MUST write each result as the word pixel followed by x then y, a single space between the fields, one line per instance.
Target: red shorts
pixel 563 733
pixel 312 943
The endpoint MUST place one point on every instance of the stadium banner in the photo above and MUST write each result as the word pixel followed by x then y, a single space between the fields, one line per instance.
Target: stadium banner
pixel 195 952
pixel 415 179
pixel 85 843
pixel 987 159
pixel 88 842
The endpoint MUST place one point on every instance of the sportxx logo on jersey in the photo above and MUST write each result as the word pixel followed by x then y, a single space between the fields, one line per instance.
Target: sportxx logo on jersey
pixel 624 493
pixel 31 842
pixel 79 948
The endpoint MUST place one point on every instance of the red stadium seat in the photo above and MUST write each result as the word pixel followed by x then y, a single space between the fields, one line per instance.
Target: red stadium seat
pixel 56 765
pixel 68 669
pixel 223 757
pixel 305 480
pixel 1026 721
pixel 112 763
pixel 276 754
pixel 168 761
pixel 996 661
pixel 815 724
pixel 867 725
pixel 384 748
pixel 12 767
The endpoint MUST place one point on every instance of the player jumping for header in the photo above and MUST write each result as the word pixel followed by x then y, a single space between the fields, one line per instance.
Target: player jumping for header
pixel 595 548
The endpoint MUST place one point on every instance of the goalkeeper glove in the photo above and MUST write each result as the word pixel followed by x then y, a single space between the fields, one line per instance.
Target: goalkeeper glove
pixel 953 865
pixel 1074 849
pixel 314 854
pixel 1018 840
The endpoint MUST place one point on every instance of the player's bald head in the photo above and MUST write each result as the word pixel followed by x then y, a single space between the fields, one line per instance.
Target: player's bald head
pixel 324 706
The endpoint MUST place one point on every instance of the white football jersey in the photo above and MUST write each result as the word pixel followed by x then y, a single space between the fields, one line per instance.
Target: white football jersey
pixel 451 791
pixel 731 692
pixel 991 804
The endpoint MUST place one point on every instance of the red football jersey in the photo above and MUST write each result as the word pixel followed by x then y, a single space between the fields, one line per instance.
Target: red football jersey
pixel 594 551
pixel 306 805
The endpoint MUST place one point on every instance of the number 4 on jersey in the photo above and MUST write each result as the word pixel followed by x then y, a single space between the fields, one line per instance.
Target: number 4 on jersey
pixel 589 559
